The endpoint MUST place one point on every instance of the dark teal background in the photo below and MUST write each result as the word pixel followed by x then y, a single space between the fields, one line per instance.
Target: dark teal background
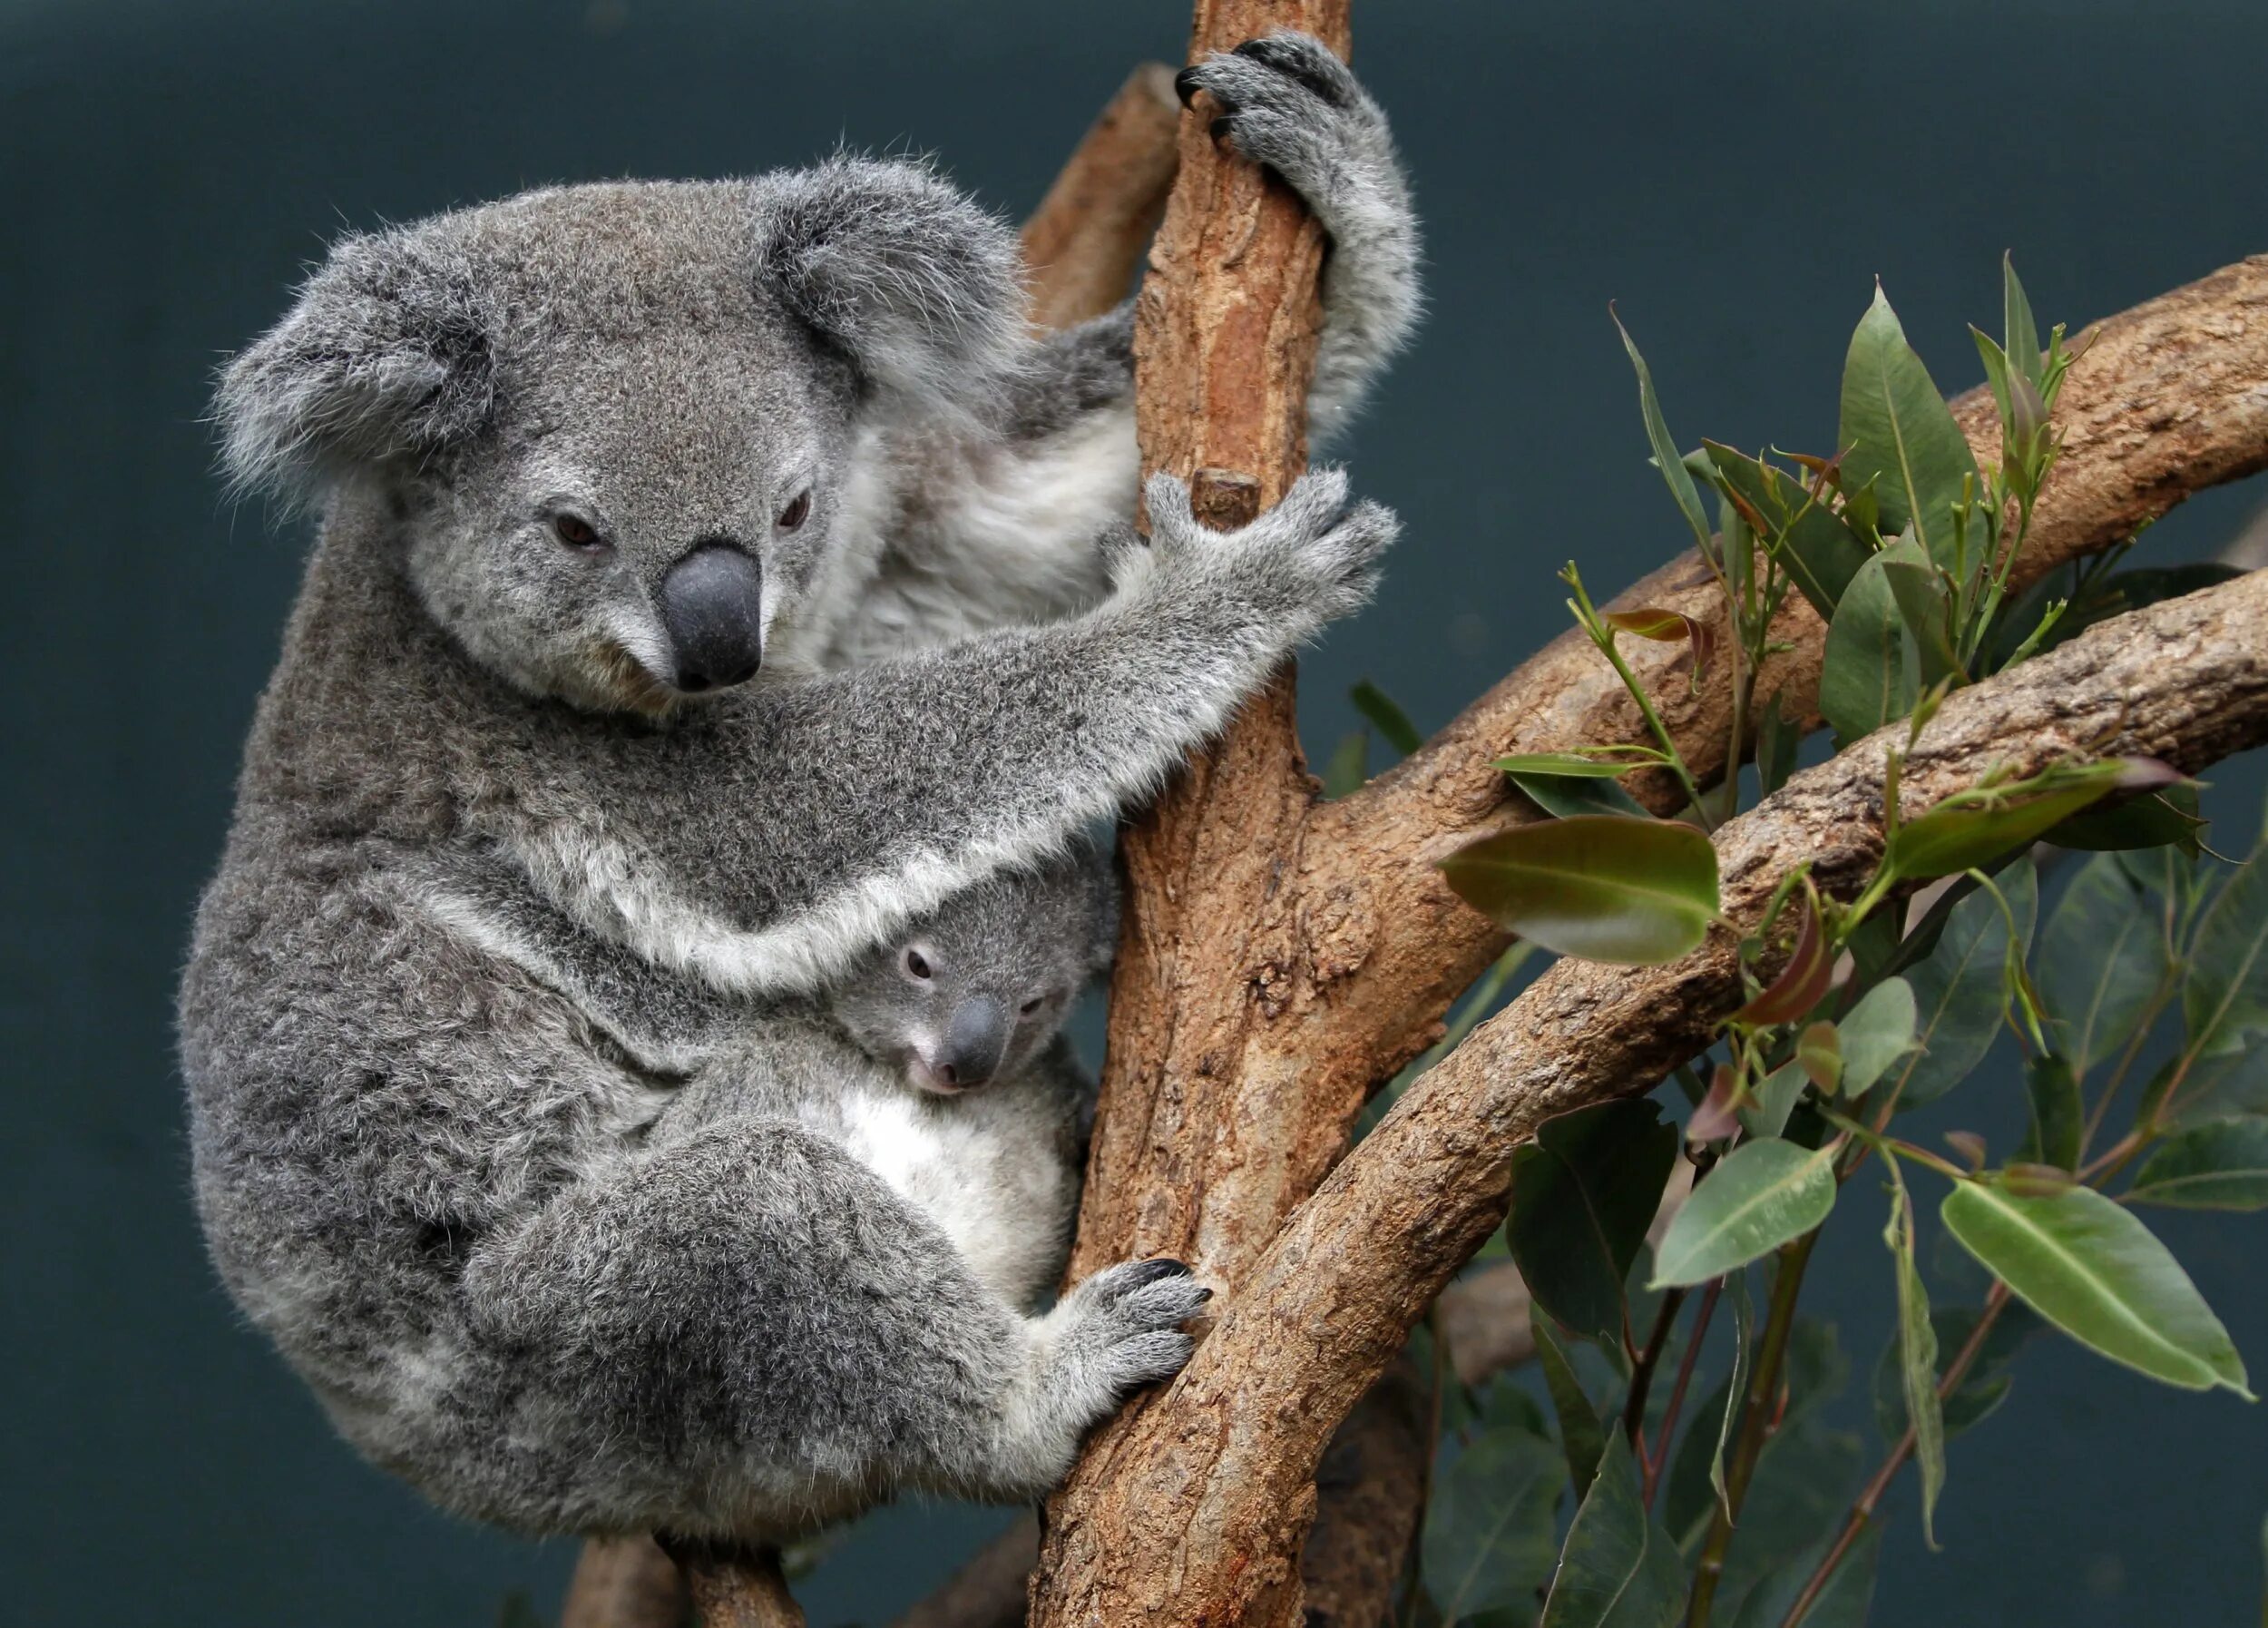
pixel 1734 176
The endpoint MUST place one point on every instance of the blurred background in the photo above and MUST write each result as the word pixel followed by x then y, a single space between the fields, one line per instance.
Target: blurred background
pixel 1732 177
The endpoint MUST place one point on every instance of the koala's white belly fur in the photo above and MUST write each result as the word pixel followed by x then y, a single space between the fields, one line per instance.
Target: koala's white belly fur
pixel 997 1190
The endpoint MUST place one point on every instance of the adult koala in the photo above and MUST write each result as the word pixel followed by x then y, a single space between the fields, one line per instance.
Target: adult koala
pixel 590 457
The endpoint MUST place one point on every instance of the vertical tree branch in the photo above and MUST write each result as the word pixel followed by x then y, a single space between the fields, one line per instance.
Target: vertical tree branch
pixel 1082 244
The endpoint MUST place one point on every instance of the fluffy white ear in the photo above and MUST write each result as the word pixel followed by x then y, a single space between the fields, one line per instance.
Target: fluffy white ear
pixel 387 352
pixel 919 285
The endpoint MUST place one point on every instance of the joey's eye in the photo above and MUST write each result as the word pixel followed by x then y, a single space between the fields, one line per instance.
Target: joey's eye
pixel 798 511
pixel 916 965
pixel 1030 1006
pixel 576 532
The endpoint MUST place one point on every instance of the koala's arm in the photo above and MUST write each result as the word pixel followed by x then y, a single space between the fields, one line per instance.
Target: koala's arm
pixel 745 1330
pixel 1008 536
pixel 764 842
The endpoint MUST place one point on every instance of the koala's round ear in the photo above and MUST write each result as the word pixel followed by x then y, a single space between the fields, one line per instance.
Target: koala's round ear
pixel 919 285
pixel 387 352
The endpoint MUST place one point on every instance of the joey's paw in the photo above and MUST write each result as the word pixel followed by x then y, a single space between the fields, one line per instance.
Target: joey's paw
pixel 1126 1323
pixel 1287 103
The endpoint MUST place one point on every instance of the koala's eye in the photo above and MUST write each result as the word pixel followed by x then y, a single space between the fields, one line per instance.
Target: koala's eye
pixel 576 532
pixel 1032 1006
pixel 916 965
pixel 798 511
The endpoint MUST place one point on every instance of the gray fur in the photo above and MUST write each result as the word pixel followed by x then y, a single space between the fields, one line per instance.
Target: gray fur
pixel 516 1124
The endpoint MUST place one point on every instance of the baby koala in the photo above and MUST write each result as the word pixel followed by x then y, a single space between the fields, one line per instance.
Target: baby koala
pixel 977 990
pixel 966 1010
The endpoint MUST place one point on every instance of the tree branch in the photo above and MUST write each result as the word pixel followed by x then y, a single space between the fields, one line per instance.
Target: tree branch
pixel 1201 1481
pixel 1082 244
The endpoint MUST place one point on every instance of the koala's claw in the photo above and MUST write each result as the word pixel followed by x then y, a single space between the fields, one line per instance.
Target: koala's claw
pixel 1130 1321
pixel 1287 104
pixel 1306 59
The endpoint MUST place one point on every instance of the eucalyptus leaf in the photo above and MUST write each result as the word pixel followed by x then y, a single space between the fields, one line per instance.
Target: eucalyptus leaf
pixel 1619 1568
pixel 1766 1112
pixel 1897 433
pixel 1581 1436
pixel 1584 1193
pixel 2022 334
pixel 1777 738
pixel 1631 892
pixel 1984 1387
pixel 1349 765
pixel 2093 1270
pixel 1567 795
pixel 1843 1603
pixel 2228 1086
pixel 1666 454
pixel 2167 819
pixel 1393 724
pixel 1800 1493
pixel 1490 1539
pixel 1953 837
pixel 1866 680
pixel 1572 765
pixel 1925 605
pixel 2059 1123
pixel 1958 989
pixel 2102 958
pixel 1876 1033
pixel 2225 992
pixel 1762 1194
pixel 2218 1166
pixel 1917 1362
pixel 1817 549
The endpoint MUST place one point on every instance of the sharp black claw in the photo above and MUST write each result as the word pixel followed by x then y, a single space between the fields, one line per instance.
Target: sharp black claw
pixel 1152 1272
pixel 1185 85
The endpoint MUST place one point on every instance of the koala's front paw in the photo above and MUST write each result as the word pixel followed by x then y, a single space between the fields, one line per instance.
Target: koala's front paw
pixel 1307 562
pixel 1121 1330
pixel 1287 103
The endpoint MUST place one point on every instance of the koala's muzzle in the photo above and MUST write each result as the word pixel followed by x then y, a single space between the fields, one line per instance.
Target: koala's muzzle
pixel 712 608
pixel 976 1038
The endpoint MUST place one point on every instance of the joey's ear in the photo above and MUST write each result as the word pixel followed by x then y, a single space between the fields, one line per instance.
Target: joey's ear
pixel 390 351
pixel 919 285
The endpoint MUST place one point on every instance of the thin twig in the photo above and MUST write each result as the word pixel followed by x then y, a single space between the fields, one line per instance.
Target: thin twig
pixel 1652 1462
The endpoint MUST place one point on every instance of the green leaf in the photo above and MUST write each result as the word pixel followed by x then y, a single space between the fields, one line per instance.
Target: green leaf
pixel 1744 1340
pixel 1982 1388
pixel 1868 679
pixel 1578 766
pixel 1917 1352
pixel 1349 766
pixel 1632 892
pixel 1666 454
pixel 2022 333
pixel 1584 1193
pixel 1820 554
pixel 2226 1086
pixel 1620 1569
pixel 2101 959
pixel 1958 989
pixel 2097 1273
pixel 2167 819
pixel 1900 434
pixel 1954 837
pixel 1764 1194
pixel 1803 980
pixel 1925 605
pixel 1765 1114
pixel 1565 797
pixel 1777 738
pixel 1490 1539
pixel 1801 1492
pixel 1843 1603
pixel 1393 724
pixel 2059 1115
pixel 1876 1033
pixel 2225 992
pixel 2218 1166
pixel 1581 1437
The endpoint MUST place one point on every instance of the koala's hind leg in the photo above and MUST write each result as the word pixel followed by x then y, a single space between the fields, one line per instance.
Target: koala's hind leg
pixel 746 1333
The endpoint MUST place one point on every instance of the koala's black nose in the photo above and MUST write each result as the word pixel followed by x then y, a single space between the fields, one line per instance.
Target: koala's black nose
pixel 712 607
pixel 976 1037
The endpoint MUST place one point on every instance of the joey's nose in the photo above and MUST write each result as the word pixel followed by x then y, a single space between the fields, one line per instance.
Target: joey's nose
pixel 712 607
pixel 976 1037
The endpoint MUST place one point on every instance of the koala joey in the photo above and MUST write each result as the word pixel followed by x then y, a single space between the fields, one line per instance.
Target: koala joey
pixel 515 1109
pixel 979 988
